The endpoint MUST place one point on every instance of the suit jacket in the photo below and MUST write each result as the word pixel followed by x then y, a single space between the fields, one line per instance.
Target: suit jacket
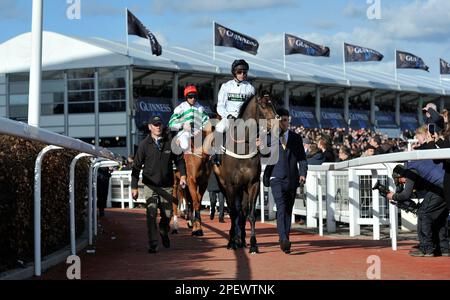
pixel 295 159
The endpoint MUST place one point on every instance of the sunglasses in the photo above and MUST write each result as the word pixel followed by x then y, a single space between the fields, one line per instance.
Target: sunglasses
pixel 192 96
pixel 240 72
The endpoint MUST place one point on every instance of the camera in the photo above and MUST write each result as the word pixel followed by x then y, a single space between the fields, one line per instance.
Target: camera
pixel 407 205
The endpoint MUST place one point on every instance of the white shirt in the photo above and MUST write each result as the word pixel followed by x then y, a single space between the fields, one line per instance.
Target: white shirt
pixel 232 96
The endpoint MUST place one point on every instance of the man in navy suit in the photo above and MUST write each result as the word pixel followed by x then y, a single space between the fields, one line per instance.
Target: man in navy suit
pixel 286 175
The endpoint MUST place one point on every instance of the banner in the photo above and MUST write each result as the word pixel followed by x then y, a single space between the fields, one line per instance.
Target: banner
pixel 445 67
pixel 409 121
pixel 407 60
pixel 333 118
pixel 226 37
pixel 360 119
pixel 360 54
pixel 303 116
pixel 385 119
pixel 135 27
pixel 296 45
pixel 147 107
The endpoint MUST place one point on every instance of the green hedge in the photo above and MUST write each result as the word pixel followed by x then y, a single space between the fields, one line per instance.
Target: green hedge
pixel 17 160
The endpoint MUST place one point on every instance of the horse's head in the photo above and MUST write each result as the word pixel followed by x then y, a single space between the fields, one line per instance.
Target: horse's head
pixel 266 109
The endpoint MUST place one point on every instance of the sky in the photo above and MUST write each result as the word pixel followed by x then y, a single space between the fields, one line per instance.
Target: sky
pixel 421 27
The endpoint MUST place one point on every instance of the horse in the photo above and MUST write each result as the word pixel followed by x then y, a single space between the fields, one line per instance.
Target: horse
pixel 198 170
pixel 239 175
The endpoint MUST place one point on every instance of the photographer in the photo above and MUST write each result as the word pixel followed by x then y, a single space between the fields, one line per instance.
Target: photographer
pixel 433 212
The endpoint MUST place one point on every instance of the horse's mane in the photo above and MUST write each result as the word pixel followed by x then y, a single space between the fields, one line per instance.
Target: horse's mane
pixel 244 106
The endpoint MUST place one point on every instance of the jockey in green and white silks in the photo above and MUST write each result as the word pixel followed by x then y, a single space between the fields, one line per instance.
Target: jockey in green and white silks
pixel 189 117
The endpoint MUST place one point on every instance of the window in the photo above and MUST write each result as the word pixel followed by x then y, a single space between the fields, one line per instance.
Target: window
pixel 112 89
pixel 113 142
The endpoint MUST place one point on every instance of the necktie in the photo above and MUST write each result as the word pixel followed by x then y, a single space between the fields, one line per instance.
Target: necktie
pixel 283 141
pixel 158 144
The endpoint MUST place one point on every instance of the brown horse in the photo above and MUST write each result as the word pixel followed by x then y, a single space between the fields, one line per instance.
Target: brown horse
pixel 239 175
pixel 198 170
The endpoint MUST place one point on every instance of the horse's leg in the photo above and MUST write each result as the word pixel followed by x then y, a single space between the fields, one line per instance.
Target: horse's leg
pixel 241 220
pixel 230 195
pixel 253 194
pixel 175 195
pixel 196 202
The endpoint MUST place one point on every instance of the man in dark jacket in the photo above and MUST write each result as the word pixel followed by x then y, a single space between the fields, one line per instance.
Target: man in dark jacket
pixel 427 179
pixel 214 193
pixel 154 154
pixel 286 176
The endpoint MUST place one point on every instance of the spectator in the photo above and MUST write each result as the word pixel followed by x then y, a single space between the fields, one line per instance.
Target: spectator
pixel 214 193
pixel 324 145
pixel 315 156
pixel 432 116
pixel 103 177
pixel 344 154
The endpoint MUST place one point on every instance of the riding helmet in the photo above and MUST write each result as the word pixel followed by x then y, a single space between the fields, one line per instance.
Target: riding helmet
pixel 190 89
pixel 239 63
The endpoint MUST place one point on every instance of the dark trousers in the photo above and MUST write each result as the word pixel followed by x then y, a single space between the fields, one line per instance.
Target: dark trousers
pixel 284 199
pixel 213 199
pixel 432 224
pixel 158 198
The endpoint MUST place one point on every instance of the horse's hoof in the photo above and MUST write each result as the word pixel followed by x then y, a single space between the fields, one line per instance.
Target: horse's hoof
pixel 174 231
pixel 197 233
pixel 254 250
pixel 231 246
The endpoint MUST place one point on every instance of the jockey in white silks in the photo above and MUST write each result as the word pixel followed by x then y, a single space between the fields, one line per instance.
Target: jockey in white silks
pixel 232 96
pixel 189 117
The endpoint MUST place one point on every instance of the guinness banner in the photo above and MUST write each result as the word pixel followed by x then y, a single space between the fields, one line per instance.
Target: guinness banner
pixel 407 60
pixel 147 107
pixel 296 45
pixel 360 54
pixel 135 27
pixel 445 67
pixel 226 37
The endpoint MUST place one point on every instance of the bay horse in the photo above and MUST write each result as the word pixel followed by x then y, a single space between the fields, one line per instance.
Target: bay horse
pixel 239 175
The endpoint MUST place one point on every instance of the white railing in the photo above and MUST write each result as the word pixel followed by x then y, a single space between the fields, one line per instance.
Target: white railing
pixel 55 142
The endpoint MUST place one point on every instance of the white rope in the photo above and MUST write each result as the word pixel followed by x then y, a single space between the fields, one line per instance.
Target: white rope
pixel 239 156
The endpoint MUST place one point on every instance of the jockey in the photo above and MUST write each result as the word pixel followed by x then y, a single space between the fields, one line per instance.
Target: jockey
pixel 189 117
pixel 232 96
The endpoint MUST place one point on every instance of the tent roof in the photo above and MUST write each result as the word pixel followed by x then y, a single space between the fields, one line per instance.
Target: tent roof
pixel 66 52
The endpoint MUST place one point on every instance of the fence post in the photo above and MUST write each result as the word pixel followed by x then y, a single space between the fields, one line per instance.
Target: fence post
pixel 331 203
pixel 311 196
pixel 122 192
pixel 37 207
pixel 73 249
pixel 320 201
pixel 375 207
pixel 353 202
pixel 261 197
pixel 130 198
pixel 393 211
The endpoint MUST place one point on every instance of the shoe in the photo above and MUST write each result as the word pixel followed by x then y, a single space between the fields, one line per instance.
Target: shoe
pixel 420 253
pixel 165 240
pixel 153 249
pixel 217 159
pixel 221 220
pixel 211 216
pixel 285 246
pixel 447 254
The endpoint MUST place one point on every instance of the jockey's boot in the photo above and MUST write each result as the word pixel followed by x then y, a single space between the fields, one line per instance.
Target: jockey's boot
pixel 217 157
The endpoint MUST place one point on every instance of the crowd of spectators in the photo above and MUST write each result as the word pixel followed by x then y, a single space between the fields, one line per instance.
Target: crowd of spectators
pixel 340 144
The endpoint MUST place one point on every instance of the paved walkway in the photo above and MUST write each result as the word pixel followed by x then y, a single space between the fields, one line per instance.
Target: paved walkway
pixel 121 253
